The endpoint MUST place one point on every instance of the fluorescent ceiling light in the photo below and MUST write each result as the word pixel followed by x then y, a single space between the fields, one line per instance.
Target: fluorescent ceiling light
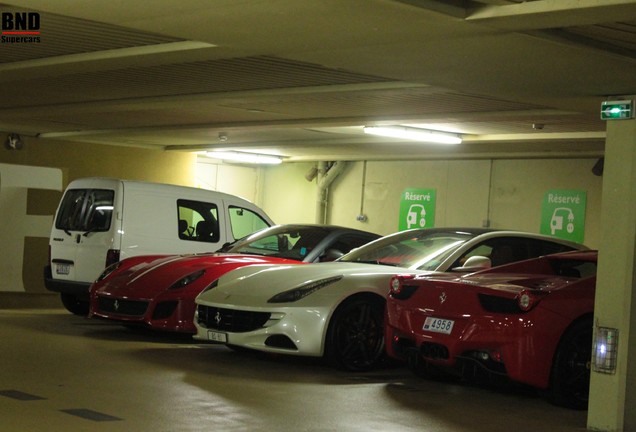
pixel 245 157
pixel 417 134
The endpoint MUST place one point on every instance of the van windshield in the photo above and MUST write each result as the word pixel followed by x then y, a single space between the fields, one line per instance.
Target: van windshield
pixel 86 210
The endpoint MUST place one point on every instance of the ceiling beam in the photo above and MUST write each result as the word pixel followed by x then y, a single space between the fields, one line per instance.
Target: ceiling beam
pixel 316 122
pixel 547 14
pixel 212 97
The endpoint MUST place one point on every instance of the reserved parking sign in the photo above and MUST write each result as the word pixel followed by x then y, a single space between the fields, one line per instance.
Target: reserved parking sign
pixel 417 209
pixel 563 214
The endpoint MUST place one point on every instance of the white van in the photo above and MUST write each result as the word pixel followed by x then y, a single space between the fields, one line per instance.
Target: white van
pixel 100 221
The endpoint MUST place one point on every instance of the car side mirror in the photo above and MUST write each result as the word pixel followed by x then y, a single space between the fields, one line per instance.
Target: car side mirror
pixel 473 264
pixel 330 255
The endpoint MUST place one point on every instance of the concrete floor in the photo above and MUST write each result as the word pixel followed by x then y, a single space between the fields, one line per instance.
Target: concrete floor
pixel 60 372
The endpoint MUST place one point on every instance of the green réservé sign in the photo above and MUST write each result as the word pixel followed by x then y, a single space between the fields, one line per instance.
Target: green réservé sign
pixel 563 214
pixel 417 209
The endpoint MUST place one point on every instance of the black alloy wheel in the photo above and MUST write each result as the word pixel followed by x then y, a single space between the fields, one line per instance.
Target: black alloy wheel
pixel 355 339
pixel 570 379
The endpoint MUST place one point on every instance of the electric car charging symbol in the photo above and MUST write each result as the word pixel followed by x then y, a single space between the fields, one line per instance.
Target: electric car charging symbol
pixel 416 216
pixel 556 223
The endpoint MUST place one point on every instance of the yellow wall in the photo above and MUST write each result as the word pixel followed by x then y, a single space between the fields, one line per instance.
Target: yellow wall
pixel 31 183
pixel 506 193
pixel 287 196
pixel 77 160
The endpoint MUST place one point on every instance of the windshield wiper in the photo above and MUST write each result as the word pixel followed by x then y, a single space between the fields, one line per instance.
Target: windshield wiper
pixel 225 246
pixel 90 230
pixel 251 253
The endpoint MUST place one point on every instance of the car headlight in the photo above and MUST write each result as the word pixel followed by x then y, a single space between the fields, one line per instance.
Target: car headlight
pixel 303 290
pixel 187 280
pixel 108 270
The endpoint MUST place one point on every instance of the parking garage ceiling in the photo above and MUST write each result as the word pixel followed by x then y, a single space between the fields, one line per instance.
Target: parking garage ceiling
pixel 300 78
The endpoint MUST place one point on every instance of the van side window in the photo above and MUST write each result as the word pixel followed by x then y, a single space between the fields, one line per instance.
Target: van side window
pixel 244 222
pixel 198 221
pixel 86 210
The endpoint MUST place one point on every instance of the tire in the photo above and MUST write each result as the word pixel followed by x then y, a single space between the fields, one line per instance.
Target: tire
pixel 75 305
pixel 570 377
pixel 355 338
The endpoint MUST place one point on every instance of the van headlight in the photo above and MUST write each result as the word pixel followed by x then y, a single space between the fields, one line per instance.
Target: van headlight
pixel 303 290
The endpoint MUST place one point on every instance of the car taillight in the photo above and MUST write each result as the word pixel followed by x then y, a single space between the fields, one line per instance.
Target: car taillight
pixel 397 283
pixel 526 300
pixel 112 256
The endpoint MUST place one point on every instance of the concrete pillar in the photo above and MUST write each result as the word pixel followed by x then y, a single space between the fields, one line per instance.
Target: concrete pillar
pixel 613 396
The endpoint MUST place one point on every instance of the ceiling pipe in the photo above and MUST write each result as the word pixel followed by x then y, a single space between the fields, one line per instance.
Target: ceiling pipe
pixel 327 173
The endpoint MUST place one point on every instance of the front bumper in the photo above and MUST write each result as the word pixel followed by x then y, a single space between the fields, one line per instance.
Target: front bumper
pixel 288 330
pixel 172 315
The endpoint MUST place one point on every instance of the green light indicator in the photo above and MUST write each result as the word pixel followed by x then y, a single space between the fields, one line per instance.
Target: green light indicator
pixel 617 110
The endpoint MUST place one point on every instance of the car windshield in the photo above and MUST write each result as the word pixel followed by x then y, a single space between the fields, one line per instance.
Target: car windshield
pixel 292 242
pixel 415 249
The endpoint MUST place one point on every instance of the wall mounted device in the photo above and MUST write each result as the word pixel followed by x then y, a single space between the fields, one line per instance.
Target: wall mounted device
pixel 14 142
pixel 605 350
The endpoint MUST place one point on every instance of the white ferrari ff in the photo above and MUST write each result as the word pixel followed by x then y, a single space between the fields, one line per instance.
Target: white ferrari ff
pixel 336 309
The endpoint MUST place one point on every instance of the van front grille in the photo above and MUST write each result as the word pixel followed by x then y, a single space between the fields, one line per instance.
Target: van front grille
pixel 231 320
pixel 122 307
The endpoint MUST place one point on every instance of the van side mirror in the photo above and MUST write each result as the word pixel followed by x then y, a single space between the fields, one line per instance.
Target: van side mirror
pixel 473 264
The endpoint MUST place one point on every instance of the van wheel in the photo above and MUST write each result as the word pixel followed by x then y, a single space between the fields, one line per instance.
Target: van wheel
pixel 74 304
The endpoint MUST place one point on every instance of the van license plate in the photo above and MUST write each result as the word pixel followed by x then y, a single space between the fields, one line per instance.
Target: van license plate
pixel 63 269
pixel 215 336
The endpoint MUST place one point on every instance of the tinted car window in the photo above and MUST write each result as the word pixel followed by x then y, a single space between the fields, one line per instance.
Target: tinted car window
pixel 294 243
pixel 198 221
pixel 86 210
pixel 244 222
pixel 540 247
pixel 504 250
pixel 347 242
pixel 573 268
